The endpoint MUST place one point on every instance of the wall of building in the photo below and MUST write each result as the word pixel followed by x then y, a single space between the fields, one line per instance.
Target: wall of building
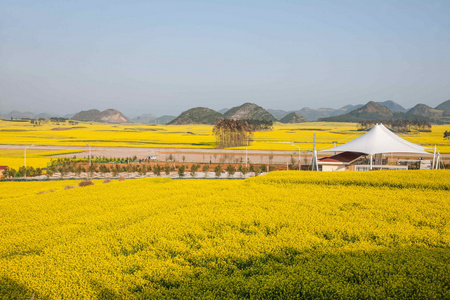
pixel 329 168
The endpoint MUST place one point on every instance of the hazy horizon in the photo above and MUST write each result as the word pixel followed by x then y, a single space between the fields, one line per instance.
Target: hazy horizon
pixel 164 57
pixel 177 114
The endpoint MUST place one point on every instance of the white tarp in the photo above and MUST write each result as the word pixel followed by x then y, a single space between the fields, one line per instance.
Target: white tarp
pixel 379 140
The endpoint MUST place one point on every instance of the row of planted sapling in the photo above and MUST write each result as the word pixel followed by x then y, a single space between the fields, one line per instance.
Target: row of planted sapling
pixel 73 169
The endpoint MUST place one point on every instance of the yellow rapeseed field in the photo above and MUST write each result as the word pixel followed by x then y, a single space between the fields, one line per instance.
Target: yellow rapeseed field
pixel 35 158
pixel 102 134
pixel 285 235
pixel 194 136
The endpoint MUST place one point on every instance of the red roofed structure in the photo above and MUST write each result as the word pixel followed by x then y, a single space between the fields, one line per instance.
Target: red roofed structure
pixel 339 162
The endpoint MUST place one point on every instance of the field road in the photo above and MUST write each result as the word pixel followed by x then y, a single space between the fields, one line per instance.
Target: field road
pixel 201 155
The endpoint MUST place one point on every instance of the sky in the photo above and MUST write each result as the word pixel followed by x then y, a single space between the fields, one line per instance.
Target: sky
pixel 164 57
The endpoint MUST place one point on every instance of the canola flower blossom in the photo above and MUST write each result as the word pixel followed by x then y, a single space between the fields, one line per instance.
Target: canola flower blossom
pixel 195 136
pixel 36 158
pixel 303 235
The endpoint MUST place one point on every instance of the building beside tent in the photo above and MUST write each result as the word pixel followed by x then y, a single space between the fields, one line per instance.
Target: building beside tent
pixel 340 162
pixel 366 152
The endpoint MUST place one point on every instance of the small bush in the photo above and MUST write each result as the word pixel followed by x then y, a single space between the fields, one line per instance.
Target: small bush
pixel 67 187
pixel 218 171
pixel 85 183
pixel 107 180
pixel 181 170
pixel 121 178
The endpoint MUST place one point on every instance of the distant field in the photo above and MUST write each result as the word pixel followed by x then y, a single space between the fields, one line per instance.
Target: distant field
pixel 193 136
pixel 35 158
pixel 286 235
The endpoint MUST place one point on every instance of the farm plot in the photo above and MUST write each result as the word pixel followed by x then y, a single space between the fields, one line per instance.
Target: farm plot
pixel 284 235
pixel 195 136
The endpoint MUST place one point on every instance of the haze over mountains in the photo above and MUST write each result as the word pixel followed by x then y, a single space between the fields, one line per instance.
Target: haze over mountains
pixel 202 115
pixel 315 114
pixel 349 113
pixel 153 119
pixel 376 111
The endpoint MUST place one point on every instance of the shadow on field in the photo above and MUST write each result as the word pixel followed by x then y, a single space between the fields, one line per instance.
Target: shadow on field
pixel 10 289
pixel 105 293
pixel 406 273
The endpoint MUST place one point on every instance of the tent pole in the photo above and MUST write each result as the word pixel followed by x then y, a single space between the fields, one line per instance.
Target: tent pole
pixel 434 158
pixel 314 151
pixel 315 161
pixel 370 161
pixel 438 161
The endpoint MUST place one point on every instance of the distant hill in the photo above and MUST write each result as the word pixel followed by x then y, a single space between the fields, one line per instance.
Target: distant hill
pixel 293 117
pixel 426 111
pixel 394 106
pixel 43 116
pixel 165 119
pixel 87 115
pixel 145 119
pixel 69 116
pixel 309 113
pixel 370 111
pixel 249 111
pixel 373 110
pixel 197 115
pixel 319 113
pixel 223 110
pixel 107 116
pixel 315 114
pixel 444 105
pixel 350 107
pixel 278 113
pixel 153 119
pixel 15 114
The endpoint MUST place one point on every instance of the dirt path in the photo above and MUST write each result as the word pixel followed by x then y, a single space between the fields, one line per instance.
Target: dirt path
pixel 199 155
pixel 190 155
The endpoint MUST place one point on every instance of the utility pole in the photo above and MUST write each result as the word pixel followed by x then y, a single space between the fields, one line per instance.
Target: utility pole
pixel 89 170
pixel 299 166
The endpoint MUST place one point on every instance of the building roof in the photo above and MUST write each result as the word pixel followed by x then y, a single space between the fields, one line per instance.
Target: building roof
pixel 3 167
pixel 379 140
pixel 344 157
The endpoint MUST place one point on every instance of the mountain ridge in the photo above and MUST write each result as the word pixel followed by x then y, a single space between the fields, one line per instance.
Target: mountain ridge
pixel 249 111
pixel 440 113
pixel 197 115
pixel 106 116
pixel 293 117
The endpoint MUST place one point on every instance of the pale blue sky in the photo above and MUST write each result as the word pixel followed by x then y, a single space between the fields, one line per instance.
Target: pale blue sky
pixel 163 57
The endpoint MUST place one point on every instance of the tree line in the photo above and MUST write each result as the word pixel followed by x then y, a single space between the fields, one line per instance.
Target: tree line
pixel 141 169
pixel 397 125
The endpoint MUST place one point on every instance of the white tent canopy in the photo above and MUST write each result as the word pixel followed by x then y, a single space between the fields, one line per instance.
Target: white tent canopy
pixel 379 140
